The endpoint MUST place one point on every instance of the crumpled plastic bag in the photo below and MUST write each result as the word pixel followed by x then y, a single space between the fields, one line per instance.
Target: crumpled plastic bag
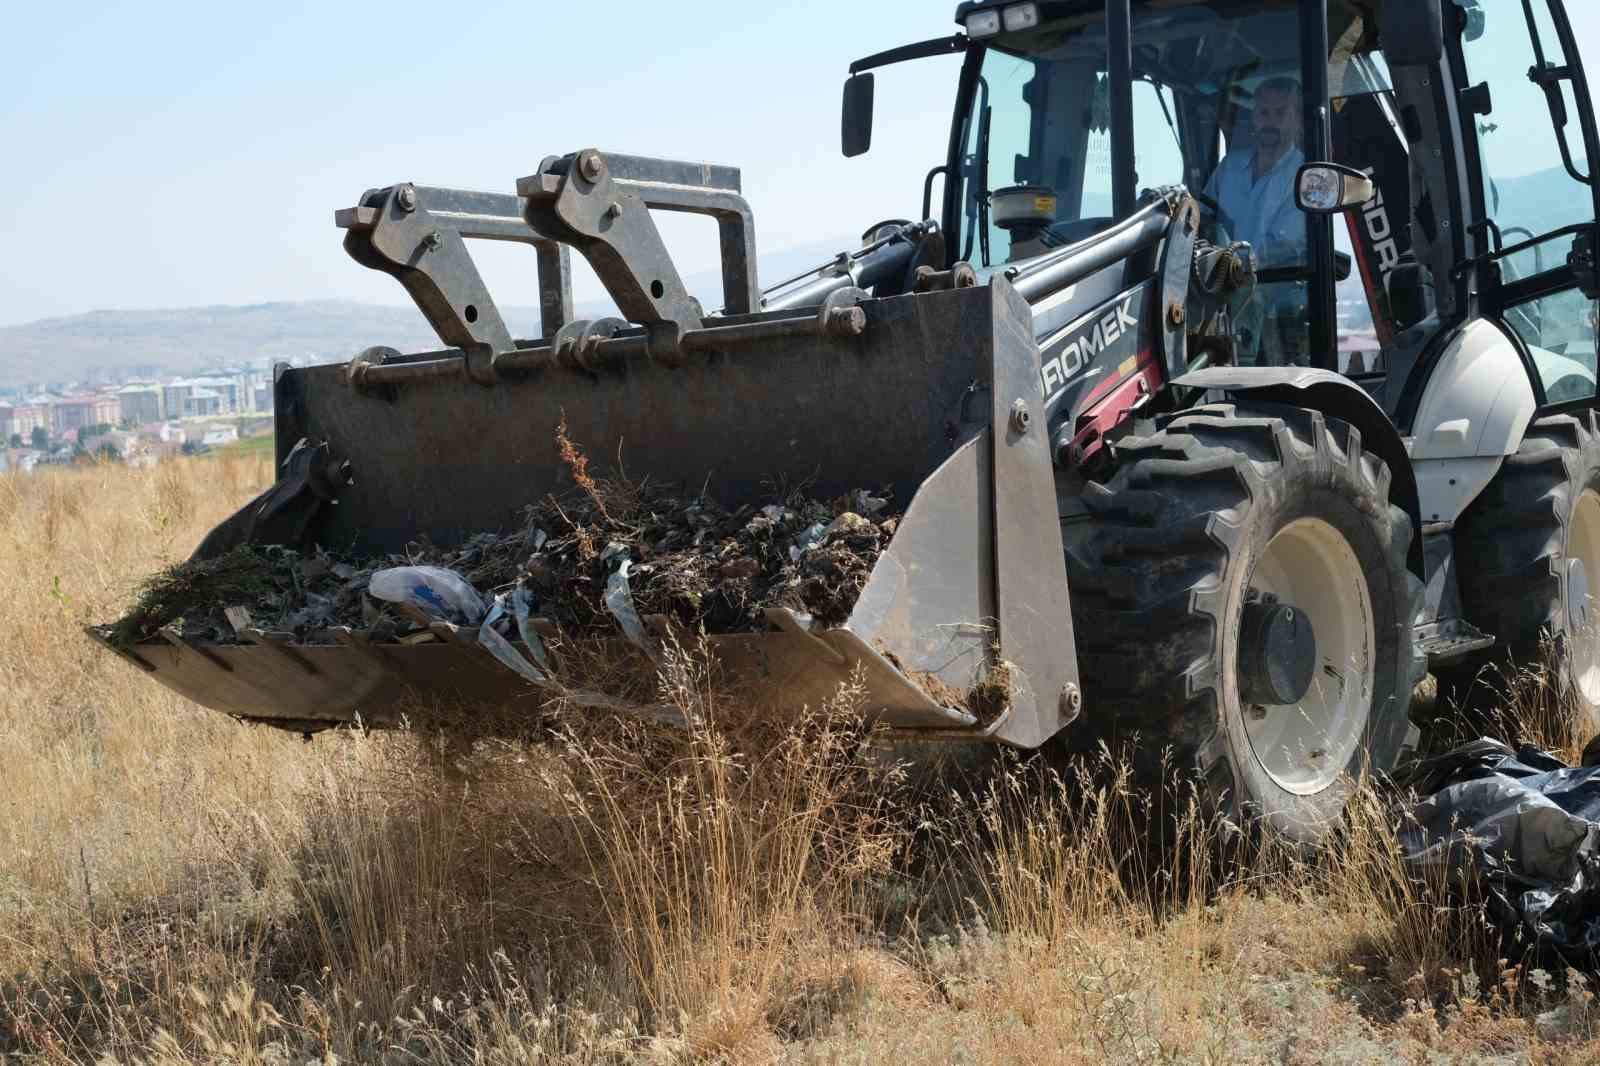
pixel 437 592
pixel 619 598
pixel 1526 826
pixel 503 649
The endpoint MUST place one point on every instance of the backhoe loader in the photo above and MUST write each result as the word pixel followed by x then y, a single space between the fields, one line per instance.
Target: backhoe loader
pixel 1237 370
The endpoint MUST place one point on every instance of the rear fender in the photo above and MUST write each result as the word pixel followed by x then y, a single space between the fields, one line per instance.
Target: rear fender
pixel 1337 397
pixel 1474 409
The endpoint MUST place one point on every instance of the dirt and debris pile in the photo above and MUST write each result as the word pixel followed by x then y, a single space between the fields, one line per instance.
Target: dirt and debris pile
pixel 676 555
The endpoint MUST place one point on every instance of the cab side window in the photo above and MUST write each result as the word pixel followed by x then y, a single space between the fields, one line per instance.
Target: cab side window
pixel 1531 182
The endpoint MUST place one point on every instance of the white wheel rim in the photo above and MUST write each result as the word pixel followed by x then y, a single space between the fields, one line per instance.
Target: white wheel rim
pixel 1583 617
pixel 1305 746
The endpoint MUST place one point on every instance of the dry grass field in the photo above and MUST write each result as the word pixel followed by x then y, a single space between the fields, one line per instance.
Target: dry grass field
pixel 178 888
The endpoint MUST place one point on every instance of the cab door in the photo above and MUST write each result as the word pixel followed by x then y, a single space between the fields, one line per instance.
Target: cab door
pixel 1530 136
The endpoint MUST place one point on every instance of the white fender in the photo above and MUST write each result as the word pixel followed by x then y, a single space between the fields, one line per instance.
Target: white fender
pixel 1475 408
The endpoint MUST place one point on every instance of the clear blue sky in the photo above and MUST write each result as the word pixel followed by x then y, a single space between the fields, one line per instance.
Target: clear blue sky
pixel 173 154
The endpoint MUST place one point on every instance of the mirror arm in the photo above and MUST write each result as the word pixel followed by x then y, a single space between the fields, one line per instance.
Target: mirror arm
pixel 921 50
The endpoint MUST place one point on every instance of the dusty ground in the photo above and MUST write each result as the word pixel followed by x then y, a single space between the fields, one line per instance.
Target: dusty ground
pixel 175 888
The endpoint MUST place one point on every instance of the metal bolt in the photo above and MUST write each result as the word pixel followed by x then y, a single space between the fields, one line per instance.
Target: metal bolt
pixel 591 166
pixel 1175 313
pixel 846 322
pixel 1071 700
pixel 615 210
pixel 406 197
pixel 433 240
pixel 1020 418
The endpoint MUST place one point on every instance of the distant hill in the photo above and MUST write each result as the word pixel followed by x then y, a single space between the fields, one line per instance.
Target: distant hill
pixel 192 338
pixel 186 339
pixel 1540 202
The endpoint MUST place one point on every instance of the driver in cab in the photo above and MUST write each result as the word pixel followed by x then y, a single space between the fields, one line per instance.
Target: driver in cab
pixel 1253 189
pixel 1253 186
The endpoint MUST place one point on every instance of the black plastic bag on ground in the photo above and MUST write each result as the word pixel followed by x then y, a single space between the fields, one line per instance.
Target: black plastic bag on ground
pixel 1528 826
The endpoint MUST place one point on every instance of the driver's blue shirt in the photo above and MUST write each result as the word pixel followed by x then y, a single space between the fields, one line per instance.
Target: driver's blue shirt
pixel 1261 212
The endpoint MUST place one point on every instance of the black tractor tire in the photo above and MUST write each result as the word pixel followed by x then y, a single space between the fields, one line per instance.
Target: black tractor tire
pixel 1516 545
pixel 1160 579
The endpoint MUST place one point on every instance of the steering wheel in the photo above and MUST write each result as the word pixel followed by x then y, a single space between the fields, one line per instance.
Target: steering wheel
pixel 1520 233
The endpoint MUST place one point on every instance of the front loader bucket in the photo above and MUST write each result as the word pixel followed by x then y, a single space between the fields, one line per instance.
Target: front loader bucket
pixel 936 400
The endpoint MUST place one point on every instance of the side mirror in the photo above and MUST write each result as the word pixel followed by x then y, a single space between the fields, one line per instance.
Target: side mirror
pixel 1328 188
pixel 855 120
pixel 1411 32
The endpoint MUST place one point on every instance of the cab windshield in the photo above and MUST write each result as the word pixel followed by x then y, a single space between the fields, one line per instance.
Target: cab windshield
pixel 1215 82
pixel 1218 107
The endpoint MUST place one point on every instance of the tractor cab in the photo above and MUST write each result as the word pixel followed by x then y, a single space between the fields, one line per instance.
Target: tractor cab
pixel 1472 123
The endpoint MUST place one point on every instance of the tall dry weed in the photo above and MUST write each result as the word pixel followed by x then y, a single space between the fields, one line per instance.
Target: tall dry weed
pixel 175 888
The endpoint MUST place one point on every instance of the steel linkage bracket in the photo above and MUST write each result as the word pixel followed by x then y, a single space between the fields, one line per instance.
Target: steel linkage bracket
pixel 418 234
pixel 600 204
pixel 1177 260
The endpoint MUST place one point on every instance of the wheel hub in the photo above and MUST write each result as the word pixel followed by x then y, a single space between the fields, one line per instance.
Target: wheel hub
pixel 1277 654
pixel 1306 656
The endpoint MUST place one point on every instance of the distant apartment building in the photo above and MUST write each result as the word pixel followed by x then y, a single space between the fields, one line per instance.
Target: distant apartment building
pixel 225 390
pixel 174 396
pixel 141 403
pixel 21 419
pixel 203 403
pixel 87 409
pixel 207 396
